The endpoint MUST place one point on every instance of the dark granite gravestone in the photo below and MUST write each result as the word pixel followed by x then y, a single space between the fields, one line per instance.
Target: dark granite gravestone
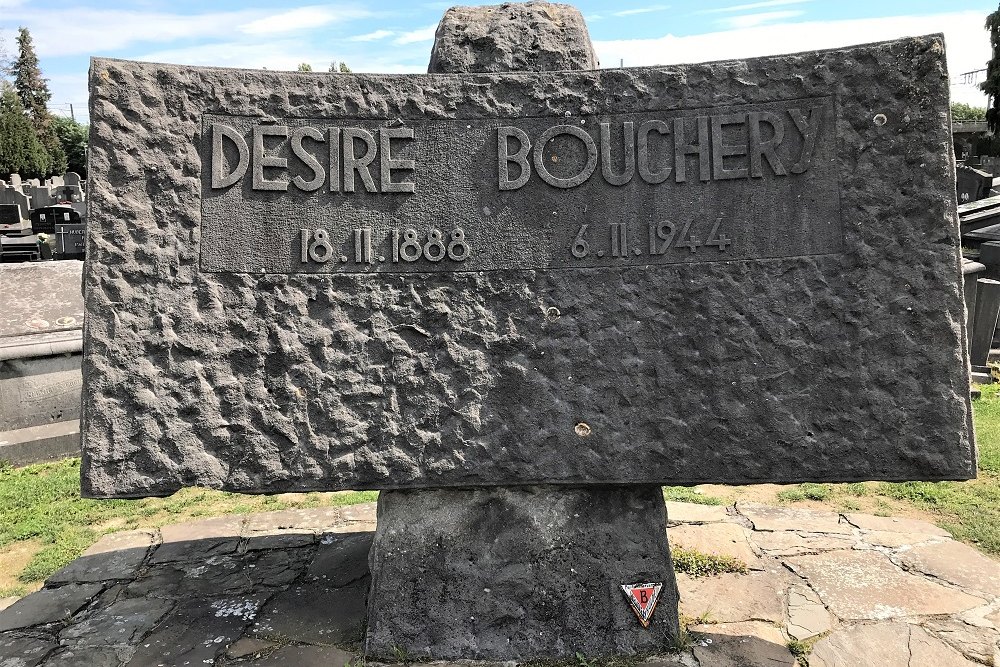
pixel 45 219
pixel 972 184
pixel 70 240
pixel 10 214
pixel 694 323
pixel 634 276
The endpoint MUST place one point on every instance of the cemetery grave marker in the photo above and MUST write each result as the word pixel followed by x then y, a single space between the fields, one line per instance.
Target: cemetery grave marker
pixel 633 276
pixel 686 309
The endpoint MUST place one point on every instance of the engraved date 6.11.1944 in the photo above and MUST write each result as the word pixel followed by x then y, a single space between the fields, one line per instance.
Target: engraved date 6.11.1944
pixel 664 236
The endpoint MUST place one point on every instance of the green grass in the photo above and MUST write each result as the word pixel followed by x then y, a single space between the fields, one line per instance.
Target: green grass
pixel 807 491
pixel 698 564
pixel 686 494
pixel 43 503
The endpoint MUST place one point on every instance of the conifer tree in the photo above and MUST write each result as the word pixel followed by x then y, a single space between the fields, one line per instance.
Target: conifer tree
pixel 20 150
pixel 33 91
pixel 992 84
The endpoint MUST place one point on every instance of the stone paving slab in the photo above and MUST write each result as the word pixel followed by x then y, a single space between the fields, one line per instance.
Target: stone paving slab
pixel 721 539
pixel 290 588
pixel 955 563
pixel 885 645
pixel 866 585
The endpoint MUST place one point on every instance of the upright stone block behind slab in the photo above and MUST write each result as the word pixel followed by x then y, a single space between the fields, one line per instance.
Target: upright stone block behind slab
pixel 737 322
pixel 513 37
pixel 556 562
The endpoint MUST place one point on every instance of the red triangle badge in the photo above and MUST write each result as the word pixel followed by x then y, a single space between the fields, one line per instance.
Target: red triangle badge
pixel 642 599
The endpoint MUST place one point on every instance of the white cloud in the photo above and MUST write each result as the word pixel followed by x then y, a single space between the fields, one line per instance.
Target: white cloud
pixel 752 5
pixel 751 20
pixel 641 10
pixel 105 31
pixel 968 45
pixel 302 18
pixel 372 36
pixel 425 34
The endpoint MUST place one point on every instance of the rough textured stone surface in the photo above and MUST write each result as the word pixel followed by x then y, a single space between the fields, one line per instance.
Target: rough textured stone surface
pixel 518 573
pixel 864 585
pixel 512 37
pixel 273 382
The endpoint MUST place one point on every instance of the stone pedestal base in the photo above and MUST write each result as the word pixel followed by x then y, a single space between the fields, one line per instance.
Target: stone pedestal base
pixel 517 573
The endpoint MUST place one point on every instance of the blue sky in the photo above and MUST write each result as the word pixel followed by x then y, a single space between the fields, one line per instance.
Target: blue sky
pixel 397 36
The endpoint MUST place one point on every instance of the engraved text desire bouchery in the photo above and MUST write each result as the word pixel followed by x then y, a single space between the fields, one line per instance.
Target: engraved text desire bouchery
pixel 679 149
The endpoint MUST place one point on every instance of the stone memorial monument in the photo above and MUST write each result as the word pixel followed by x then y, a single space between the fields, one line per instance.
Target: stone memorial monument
pixel 519 301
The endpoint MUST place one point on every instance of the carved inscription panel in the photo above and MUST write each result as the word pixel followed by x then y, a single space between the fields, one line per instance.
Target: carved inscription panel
pixel 677 186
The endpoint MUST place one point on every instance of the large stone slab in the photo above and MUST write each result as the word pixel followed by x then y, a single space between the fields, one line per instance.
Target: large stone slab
pixel 865 585
pixel 955 563
pixel 885 645
pixel 50 605
pixel 535 349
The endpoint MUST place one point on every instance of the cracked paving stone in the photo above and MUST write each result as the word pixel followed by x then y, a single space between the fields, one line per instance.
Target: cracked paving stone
pixel 694 513
pixel 121 623
pixel 335 588
pixel 115 556
pixel 892 540
pixel 794 544
pixel 895 525
pixel 721 539
pixel 48 605
pixel 303 656
pixel 765 517
pixel 280 539
pixel 729 598
pixel 316 519
pixel 955 563
pixel 23 651
pixel 199 540
pixel 248 647
pixel 865 585
pixel 88 657
pixel 807 617
pixel 221 575
pixel 196 632
pixel 892 644
pixel 980 644
pixel 741 645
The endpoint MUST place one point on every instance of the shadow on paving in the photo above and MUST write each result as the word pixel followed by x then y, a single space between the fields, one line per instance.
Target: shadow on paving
pixel 211 592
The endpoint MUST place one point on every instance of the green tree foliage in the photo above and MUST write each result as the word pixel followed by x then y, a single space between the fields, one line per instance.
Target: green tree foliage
pixel 73 137
pixel 305 67
pixel 963 111
pixel 33 90
pixel 339 68
pixel 991 86
pixel 20 150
